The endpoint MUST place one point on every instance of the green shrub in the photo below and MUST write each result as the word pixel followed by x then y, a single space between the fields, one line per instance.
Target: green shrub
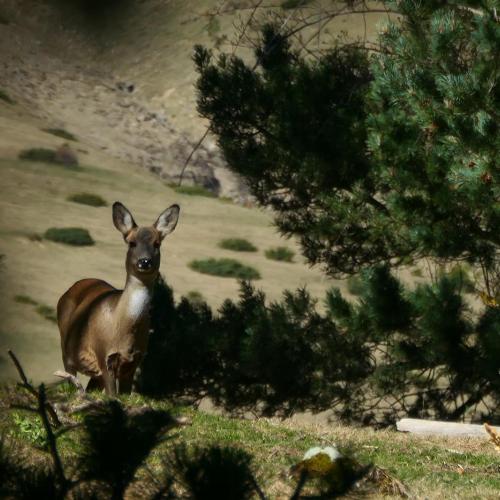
pixel 193 191
pixel 195 297
pixel 5 97
pixel 226 268
pixel 47 312
pixel 460 275
pixel 76 236
pixel 238 245
pixel 282 254
pixel 60 132
pixel 31 428
pixel 63 155
pixel 25 299
pixel 355 285
pixel 294 4
pixel 93 200
pixel 38 154
pixel 417 273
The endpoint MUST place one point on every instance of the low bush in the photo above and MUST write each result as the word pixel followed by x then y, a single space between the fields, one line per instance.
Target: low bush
pixel 238 245
pixel 63 155
pixel 38 154
pixel 282 254
pixel 47 312
pixel 76 236
pixel 417 272
pixel 25 299
pixel 225 268
pixel 194 191
pixel 354 285
pixel 60 132
pixel 5 97
pixel 93 200
pixel 294 4
pixel 195 297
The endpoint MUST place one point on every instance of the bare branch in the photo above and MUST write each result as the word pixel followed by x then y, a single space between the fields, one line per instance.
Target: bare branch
pixel 70 378
pixel 56 422
pixel 51 440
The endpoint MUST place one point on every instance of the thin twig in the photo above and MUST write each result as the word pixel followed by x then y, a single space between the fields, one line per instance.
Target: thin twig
pixel 72 379
pixel 300 485
pixel 193 151
pixel 56 422
pixel 20 370
pixel 51 440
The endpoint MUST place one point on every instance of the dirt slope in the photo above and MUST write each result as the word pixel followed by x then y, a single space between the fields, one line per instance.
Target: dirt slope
pixel 62 70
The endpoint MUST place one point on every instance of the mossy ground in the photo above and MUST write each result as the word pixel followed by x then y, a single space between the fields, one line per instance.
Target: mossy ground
pixel 430 467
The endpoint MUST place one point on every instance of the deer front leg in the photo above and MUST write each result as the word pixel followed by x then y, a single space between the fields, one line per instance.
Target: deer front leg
pixel 110 373
pixel 127 372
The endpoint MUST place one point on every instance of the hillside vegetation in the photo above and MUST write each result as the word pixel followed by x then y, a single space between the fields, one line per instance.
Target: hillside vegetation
pixel 432 467
pixel 34 198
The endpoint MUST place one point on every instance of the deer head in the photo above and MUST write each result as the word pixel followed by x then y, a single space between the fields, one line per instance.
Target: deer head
pixel 143 255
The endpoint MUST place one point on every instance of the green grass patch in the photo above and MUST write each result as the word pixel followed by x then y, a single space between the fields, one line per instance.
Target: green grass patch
pixel 193 191
pixel 195 297
pixel 45 155
pixel 225 268
pixel 93 200
pixel 47 312
pixel 294 4
pixel 5 97
pixel 282 254
pixel 237 245
pixel 76 236
pixel 60 132
pixel 432 468
pixel 38 154
pixel 25 299
pixel 30 428
pixel 354 285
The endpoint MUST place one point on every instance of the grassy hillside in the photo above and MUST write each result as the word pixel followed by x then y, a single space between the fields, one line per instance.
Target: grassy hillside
pixel 34 198
pixel 428 467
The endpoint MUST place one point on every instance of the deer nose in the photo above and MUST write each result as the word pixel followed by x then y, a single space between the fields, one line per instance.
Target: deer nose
pixel 144 264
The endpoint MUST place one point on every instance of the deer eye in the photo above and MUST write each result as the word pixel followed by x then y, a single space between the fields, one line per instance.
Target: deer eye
pixel 157 244
pixel 132 244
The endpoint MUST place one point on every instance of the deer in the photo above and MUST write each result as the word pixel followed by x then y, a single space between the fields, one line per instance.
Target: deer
pixel 104 331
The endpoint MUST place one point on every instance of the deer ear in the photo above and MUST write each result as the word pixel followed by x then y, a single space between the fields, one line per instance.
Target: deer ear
pixel 167 220
pixel 123 219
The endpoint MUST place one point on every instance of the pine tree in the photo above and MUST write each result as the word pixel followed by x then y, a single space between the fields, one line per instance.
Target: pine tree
pixel 379 160
pixel 382 159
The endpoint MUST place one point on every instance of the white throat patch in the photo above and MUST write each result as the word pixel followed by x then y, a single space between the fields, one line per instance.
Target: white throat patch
pixel 139 302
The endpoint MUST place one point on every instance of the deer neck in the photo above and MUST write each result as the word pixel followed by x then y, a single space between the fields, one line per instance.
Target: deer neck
pixel 135 299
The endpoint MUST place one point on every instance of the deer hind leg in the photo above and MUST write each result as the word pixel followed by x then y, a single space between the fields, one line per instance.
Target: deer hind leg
pixel 95 384
pixel 69 366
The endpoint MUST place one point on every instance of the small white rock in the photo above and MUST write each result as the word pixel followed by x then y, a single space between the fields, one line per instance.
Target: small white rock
pixel 331 451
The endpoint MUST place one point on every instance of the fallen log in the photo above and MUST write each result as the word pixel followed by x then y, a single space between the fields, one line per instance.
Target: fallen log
pixel 434 427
